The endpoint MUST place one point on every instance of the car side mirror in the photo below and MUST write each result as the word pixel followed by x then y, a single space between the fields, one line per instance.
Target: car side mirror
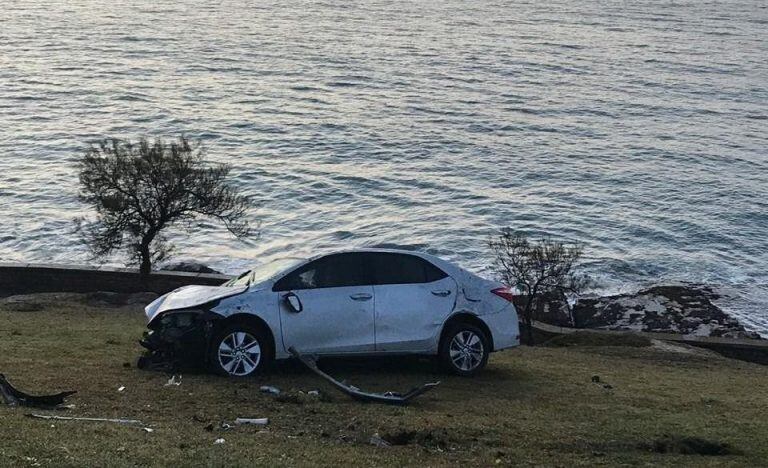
pixel 293 302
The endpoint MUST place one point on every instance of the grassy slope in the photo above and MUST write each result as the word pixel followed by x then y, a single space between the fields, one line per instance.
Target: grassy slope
pixel 532 406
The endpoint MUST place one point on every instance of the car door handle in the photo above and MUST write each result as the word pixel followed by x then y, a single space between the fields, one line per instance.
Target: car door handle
pixel 442 292
pixel 361 297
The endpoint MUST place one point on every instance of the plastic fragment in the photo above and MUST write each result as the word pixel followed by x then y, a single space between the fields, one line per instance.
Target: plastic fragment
pixel 173 381
pixel 270 389
pixel 377 441
pixel 253 421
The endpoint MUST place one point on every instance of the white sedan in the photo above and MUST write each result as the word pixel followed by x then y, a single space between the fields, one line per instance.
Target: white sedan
pixel 348 303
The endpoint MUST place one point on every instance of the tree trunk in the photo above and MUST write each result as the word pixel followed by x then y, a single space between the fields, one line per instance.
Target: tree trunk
pixel 146 261
pixel 528 320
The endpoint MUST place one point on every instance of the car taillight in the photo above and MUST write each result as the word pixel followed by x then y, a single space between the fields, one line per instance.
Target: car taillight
pixel 504 293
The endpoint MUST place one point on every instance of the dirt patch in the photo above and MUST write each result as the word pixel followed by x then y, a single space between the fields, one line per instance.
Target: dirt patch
pixel 587 338
pixel 429 438
pixel 689 446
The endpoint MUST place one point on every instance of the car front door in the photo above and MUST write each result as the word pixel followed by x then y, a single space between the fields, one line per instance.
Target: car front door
pixel 413 299
pixel 335 313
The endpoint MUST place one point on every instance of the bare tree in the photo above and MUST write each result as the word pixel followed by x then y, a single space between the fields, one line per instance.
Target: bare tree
pixel 537 269
pixel 141 190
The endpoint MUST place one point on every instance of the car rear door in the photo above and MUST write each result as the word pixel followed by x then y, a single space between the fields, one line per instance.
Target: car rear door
pixel 413 299
pixel 337 313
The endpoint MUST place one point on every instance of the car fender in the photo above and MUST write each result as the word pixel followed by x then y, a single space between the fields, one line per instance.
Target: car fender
pixel 261 303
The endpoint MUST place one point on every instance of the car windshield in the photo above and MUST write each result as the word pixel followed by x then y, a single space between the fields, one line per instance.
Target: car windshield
pixel 264 272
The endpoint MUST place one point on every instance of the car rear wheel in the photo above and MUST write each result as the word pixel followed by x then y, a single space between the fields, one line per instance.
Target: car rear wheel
pixel 464 349
pixel 239 350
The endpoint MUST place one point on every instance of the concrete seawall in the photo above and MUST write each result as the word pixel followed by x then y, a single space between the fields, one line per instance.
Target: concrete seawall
pixel 21 278
pixel 744 349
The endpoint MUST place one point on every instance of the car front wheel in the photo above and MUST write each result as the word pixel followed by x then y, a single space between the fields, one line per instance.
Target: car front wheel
pixel 239 350
pixel 464 350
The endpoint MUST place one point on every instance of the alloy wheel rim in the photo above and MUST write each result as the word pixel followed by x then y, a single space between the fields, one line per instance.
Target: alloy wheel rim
pixel 466 350
pixel 239 353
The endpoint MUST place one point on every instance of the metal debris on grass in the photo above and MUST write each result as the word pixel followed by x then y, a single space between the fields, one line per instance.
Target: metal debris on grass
pixel 390 398
pixel 68 418
pixel 15 397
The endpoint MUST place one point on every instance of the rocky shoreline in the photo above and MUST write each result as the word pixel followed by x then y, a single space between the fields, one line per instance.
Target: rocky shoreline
pixel 680 309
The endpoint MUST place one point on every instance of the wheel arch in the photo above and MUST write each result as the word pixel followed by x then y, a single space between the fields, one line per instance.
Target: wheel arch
pixel 471 319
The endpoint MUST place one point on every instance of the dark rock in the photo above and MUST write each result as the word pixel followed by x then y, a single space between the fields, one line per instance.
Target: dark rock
pixel 101 298
pixel 552 309
pixel 687 310
pixel 189 267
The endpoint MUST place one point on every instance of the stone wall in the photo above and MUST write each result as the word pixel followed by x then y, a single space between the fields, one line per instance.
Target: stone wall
pixel 19 278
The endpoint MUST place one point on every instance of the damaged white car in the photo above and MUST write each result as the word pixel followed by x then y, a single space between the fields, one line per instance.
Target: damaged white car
pixel 349 303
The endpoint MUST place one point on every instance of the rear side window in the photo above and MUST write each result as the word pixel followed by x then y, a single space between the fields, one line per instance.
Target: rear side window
pixel 389 268
pixel 333 271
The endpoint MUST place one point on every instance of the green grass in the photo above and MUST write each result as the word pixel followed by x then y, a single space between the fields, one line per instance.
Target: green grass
pixel 532 406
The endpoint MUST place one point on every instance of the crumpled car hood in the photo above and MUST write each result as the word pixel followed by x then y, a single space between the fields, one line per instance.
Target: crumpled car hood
pixel 190 296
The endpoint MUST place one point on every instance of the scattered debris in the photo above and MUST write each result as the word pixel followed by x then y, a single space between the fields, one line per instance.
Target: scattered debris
pixel 253 421
pixel 219 441
pixel 225 426
pixel 173 381
pixel 270 389
pixel 67 418
pixel 121 389
pixel 596 379
pixel 313 393
pixel 13 397
pixel 377 441
pixel 149 429
pixel 392 398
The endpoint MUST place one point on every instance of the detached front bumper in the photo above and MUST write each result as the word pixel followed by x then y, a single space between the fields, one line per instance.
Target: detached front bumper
pixel 177 339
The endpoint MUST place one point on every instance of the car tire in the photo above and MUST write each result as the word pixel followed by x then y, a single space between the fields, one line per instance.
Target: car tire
pixel 464 349
pixel 240 350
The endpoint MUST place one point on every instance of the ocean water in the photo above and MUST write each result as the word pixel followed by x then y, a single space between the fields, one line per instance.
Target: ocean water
pixel 639 128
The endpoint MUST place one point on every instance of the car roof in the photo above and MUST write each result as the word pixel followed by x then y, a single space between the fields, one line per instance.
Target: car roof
pixel 437 261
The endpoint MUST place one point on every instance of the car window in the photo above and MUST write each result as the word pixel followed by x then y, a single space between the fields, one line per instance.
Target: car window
pixel 263 272
pixel 333 271
pixel 391 268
